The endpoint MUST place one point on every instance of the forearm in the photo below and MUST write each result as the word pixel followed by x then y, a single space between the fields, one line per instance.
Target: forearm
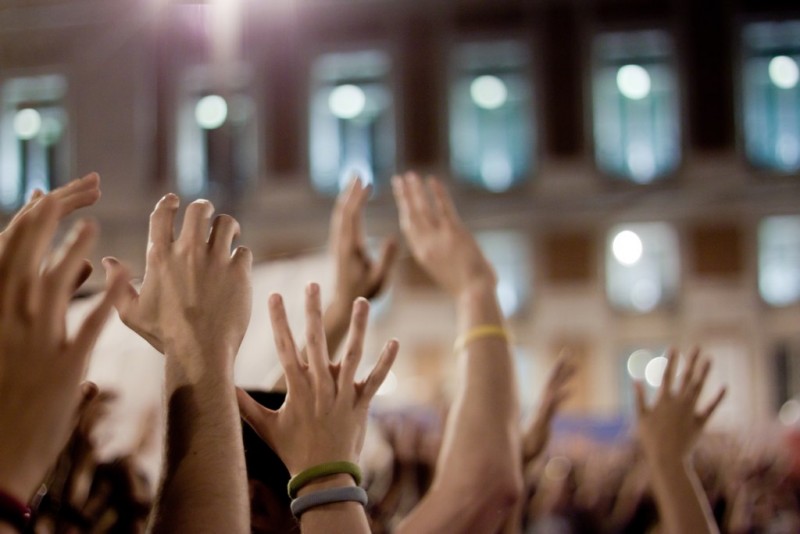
pixel 204 486
pixel 680 498
pixel 483 423
pixel 478 476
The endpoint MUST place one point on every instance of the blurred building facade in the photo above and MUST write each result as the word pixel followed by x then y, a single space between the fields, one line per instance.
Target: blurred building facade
pixel 632 167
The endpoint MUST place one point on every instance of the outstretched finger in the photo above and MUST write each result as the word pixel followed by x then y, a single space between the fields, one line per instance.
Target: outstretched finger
pixel 284 341
pixel 669 371
pixel 706 413
pixel 421 211
pixel 696 386
pixel 361 195
pixel 77 194
pixel 355 342
pixel 162 220
pixel 315 334
pixel 69 261
pixel 442 200
pixel 378 374
pixel 688 374
pixel 401 199
pixel 224 230
pixel 196 221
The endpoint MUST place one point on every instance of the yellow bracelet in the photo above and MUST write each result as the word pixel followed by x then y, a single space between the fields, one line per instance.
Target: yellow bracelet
pixel 480 331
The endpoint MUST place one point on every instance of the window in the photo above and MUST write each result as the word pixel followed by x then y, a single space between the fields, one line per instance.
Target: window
pixel 636 112
pixel 772 95
pixel 33 148
pixel 491 134
pixel 352 128
pixel 216 138
pixel 510 255
pixel 642 266
pixel 779 260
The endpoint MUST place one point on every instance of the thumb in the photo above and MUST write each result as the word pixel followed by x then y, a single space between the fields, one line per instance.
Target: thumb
pixel 128 295
pixel 259 418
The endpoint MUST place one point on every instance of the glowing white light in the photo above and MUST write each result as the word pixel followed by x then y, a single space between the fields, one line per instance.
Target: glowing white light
pixel 488 92
pixel 389 385
pixel 641 162
pixel 633 81
pixel 637 363
pixel 211 112
pixel 347 101
pixel 27 123
pixel 654 372
pixel 627 247
pixel 557 468
pixel 496 172
pixel 783 72
pixel 789 414
pixel 645 295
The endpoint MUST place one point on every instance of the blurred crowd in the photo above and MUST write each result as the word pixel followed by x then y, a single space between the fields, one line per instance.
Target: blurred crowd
pixel 310 455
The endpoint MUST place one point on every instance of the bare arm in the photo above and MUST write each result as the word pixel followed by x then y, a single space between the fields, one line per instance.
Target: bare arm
pixel 40 366
pixel 478 474
pixel 667 431
pixel 325 413
pixel 195 305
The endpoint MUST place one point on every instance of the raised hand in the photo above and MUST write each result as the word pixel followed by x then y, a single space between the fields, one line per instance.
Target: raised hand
pixel 194 290
pixel 357 274
pixel 436 236
pixel 670 427
pixel 194 306
pixel 537 434
pixel 77 194
pixel 325 413
pixel 40 367
pixel 667 430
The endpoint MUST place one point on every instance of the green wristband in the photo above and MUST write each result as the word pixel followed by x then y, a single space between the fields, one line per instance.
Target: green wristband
pixel 311 474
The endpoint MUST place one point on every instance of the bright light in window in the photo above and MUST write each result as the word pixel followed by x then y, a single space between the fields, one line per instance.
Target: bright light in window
pixel 783 72
pixel 211 112
pixel 641 162
pixel 496 172
pixel 654 371
pixel 488 92
pixel 27 123
pixel 637 363
pixel 347 101
pixel 627 247
pixel 645 295
pixel 633 82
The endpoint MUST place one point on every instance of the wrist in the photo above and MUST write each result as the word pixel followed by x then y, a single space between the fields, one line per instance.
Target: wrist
pixel 340 480
pixel 189 363
pixel 478 288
